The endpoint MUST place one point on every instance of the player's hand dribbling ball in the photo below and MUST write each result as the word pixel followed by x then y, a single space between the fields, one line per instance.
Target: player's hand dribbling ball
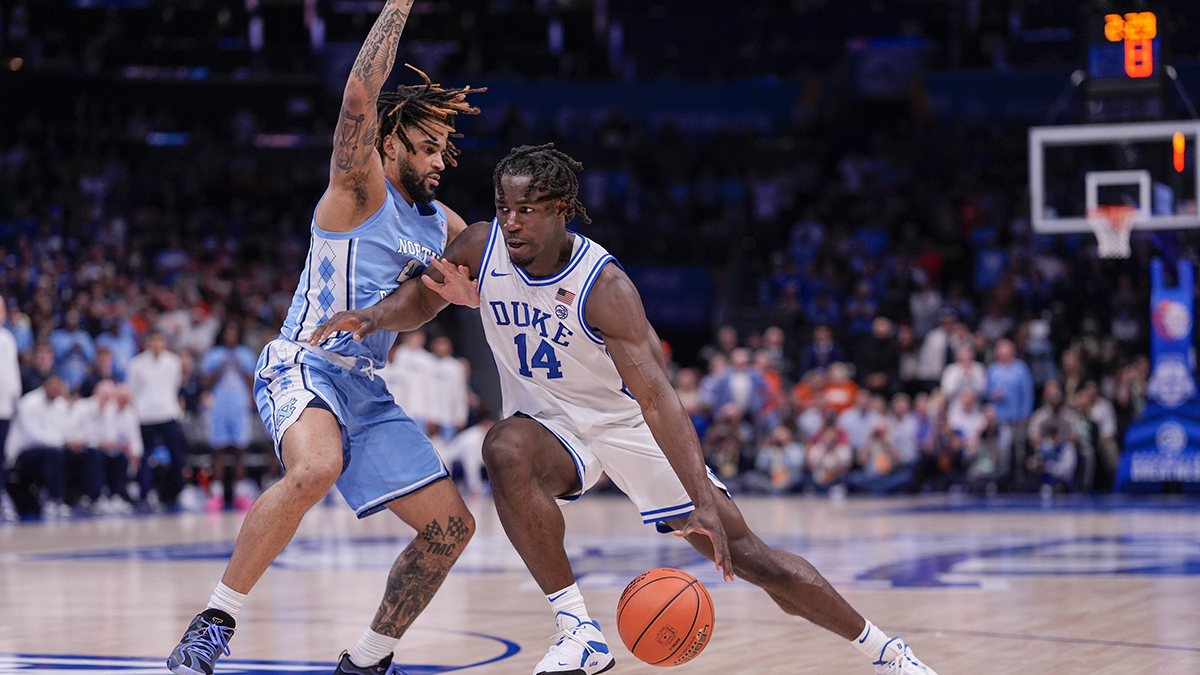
pixel 665 617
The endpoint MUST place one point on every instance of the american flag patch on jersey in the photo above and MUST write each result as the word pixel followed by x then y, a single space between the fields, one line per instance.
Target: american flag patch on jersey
pixel 564 295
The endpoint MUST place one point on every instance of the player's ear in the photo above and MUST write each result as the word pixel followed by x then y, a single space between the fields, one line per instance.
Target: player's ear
pixel 560 209
pixel 391 144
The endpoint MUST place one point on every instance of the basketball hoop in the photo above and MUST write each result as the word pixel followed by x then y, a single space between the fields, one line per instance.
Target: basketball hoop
pixel 1113 225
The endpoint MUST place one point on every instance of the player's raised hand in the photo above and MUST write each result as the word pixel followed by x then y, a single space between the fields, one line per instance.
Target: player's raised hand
pixel 706 520
pixel 360 321
pixel 456 286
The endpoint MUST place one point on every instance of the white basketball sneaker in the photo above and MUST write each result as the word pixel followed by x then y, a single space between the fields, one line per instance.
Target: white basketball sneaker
pixel 580 650
pixel 903 662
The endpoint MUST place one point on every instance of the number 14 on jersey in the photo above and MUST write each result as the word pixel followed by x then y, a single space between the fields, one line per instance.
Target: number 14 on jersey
pixel 543 358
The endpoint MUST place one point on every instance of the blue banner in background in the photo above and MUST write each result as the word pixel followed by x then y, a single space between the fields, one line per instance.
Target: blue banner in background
pixel 1164 445
pixel 675 297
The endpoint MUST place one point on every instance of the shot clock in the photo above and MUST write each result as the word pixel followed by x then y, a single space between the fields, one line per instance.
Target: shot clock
pixel 1125 54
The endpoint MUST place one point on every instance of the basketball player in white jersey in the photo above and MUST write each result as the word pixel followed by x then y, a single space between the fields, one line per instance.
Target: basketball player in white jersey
pixel 331 418
pixel 586 391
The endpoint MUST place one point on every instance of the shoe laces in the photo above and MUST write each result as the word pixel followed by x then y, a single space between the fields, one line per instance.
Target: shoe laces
pixel 569 634
pixel 206 641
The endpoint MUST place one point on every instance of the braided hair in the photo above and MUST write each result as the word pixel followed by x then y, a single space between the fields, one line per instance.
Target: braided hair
pixel 429 107
pixel 551 170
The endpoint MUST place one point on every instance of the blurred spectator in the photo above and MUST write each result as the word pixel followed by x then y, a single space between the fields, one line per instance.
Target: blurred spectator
pixel 904 428
pixel 823 309
pixel 940 461
pixel 34 451
pixel 967 419
pixel 121 448
pixel 878 359
pixel 717 365
pixel 687 387
pixel 997 324
pixel 102 369
pixel 1064 423
pixel 467 448
pixel 775 345
pixel 1072 375
pixel 119 338
pixel 828 459
pixel 840 392
pixel 1010 389
pixel 228 371
pixel 35 374
pixel 409 374
pixel 860 310
pixel 727 341
pixel 781 459
pixel 1103 417
pixel 154 380
pixel 1040 350
pixel 813 415
pixel 822 352
pixel 909 360
pixel 10 382
pixel 448 393
pixel 725 440
pixel 741 385
pixel 925 307
pixel 965 374
pixel 857 422
pixel 74 350
pixel 1054 457
pixel 936 350
pixel 882 470
pixel 984 460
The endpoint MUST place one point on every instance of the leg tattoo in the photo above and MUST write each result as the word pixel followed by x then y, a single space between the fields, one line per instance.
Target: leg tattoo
pixel 417 574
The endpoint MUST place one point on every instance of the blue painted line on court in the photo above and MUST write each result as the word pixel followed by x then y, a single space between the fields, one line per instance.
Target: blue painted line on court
pixel 49 663
pixel 1076 503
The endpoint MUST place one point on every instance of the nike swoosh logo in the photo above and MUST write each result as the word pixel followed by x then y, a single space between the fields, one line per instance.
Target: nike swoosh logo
pixel 499 275
pixel 564 592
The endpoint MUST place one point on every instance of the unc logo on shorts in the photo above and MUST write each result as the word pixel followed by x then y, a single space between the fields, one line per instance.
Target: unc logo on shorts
pixel 285 411
pixel 561 312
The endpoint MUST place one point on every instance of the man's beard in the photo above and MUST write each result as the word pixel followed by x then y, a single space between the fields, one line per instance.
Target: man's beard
pixel 414 184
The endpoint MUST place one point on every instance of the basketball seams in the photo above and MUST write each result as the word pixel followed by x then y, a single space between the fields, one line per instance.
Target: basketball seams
pixel 623 601
pixel 687 641
pixel 660 611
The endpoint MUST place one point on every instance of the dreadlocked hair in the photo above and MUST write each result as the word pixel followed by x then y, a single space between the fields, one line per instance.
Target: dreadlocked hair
pixel 551 170
pixel 429 107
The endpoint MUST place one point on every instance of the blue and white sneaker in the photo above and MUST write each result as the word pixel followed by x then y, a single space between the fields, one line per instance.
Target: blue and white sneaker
pixel 897 659
pixel 385 667
pixel 578 650
pixel 205 639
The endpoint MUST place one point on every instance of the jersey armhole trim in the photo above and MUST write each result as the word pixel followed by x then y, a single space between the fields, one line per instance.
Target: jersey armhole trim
pixel 487 254
pixel 587 289
pixel 364 227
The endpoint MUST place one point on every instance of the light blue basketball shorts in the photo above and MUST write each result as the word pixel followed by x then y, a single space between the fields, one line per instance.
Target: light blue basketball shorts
pixel 384 454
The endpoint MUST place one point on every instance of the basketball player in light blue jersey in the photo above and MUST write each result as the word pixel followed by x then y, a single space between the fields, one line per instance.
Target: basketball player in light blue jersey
pixel 586 391
pixel 332 419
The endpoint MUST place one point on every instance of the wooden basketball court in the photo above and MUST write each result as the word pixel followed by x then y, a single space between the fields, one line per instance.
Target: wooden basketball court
pixel 1011 586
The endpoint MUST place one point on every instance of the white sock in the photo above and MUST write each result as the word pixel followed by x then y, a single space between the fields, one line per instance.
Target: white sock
pixel 227 600
pixel 372 648
pixel 568 601
pixel 872 642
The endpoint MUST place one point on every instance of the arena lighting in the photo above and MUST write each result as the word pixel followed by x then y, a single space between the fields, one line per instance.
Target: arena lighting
pixel 1178 142
pixel 1138 30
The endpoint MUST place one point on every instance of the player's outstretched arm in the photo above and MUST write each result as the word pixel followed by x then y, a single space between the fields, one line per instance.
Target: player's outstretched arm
pixel 356 181
pixel 614 310
pixel 413 305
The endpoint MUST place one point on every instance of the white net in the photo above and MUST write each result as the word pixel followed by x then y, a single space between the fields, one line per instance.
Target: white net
pixel 1113 225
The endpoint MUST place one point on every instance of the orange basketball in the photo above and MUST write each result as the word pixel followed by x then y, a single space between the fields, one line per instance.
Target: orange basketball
pixel 665 617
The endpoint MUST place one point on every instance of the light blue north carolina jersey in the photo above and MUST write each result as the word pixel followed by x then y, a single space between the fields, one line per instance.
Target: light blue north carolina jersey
pixel 356 269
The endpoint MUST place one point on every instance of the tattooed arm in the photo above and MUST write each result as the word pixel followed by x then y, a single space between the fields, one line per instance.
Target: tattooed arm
pixel 356 182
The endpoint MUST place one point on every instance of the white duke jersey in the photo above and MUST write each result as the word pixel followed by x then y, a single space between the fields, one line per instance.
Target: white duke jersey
pixel 357 269
pixel 552 365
